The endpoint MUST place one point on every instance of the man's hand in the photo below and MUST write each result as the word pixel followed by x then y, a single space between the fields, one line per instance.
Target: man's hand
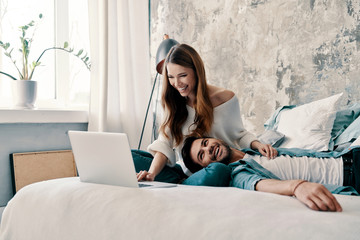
pixel 316 197
pixel 313 195
pixel 265 149
pixel 145 176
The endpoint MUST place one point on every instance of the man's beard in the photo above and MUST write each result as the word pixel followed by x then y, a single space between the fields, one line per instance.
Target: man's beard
pixel 226 159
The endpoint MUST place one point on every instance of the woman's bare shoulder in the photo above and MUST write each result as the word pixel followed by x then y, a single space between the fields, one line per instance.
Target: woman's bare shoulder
pixel 219 95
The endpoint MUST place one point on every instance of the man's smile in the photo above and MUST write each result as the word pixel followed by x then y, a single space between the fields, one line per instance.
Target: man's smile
pixel 216 152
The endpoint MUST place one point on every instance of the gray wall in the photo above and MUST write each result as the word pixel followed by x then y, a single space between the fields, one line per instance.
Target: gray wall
pixel 269 52
pixel 29 137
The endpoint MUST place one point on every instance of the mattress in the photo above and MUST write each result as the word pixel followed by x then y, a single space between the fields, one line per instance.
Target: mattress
pixel 69 209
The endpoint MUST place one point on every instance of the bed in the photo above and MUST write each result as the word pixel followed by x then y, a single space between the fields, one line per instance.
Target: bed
pixel 69 209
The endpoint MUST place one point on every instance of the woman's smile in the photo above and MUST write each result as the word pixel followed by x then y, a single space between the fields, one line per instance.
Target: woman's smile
pixel 181 78
pixel 182 89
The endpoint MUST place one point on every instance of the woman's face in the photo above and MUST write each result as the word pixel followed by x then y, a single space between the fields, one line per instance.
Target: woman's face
pixel 182 79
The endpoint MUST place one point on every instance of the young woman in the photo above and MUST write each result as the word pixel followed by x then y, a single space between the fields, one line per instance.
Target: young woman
pixel 193 107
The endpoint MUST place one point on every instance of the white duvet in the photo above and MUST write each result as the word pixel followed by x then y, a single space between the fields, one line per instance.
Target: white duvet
pixel 67 209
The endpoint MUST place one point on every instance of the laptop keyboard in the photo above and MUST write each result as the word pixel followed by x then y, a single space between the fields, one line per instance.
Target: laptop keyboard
pixel 144 185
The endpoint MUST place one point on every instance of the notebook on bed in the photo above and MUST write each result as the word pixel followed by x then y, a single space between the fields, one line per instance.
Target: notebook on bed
pixel 105 158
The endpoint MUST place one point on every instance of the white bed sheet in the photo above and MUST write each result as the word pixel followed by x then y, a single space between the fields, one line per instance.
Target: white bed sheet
pixel 69 209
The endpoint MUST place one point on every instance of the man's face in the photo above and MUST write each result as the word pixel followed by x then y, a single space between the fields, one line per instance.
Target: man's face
pixel 207 150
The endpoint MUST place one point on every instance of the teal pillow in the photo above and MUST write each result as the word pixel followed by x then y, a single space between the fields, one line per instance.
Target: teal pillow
pixel 350 133
pixel 344 118
pixel 216 175
pixel 272 137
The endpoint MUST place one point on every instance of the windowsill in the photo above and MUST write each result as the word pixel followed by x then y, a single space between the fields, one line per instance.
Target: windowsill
pixel 43 116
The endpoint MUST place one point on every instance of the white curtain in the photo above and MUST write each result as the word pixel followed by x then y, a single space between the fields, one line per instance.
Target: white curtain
pixel 120 74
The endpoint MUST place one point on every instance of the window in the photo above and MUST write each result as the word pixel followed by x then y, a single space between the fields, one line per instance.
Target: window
pixel 63 79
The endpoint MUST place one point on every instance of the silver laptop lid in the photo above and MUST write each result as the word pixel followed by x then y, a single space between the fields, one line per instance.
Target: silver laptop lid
pixel 103 158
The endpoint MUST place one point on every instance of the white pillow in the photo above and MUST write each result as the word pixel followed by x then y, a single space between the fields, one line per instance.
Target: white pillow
pixel 309 126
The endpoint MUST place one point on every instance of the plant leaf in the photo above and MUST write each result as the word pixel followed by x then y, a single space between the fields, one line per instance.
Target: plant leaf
pixel 66 44
pixel 5 46
pixel 79 53
pixel 35 64
pixel 40 15
pixel 30 24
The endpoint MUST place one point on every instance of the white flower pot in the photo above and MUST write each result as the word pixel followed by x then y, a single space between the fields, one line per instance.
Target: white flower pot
pixel 24 93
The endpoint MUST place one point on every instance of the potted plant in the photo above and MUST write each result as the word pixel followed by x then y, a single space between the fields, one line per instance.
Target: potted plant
pixel 24 88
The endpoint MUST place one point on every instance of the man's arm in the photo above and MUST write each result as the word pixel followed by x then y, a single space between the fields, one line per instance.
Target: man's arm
pixel 314 195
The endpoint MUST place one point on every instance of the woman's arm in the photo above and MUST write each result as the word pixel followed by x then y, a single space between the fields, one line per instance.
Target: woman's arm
pixel 265 149
pixel 313 195
pixel 157 165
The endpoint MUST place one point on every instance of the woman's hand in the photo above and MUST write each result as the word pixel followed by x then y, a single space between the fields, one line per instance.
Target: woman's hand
pixel 145 176
pixel 157 165
pixel 265 149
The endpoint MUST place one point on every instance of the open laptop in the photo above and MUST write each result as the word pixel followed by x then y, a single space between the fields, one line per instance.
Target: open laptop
pixel 105 158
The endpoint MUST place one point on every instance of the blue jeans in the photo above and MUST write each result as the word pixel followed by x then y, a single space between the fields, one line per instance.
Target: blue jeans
pixel 216 174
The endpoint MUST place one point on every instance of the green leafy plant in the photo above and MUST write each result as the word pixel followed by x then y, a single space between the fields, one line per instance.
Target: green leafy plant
pixel 27 71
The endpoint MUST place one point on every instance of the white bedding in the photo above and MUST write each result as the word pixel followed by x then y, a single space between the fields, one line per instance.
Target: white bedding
pixel 68 209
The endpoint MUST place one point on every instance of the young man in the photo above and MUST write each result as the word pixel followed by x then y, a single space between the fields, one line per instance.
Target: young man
pixel 302 176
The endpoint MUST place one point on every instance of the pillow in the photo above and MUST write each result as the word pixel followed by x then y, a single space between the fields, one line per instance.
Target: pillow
pixel 309 126
pixel 273 122
pixel 356 143
pixel 344 118
pixel 272 137
pixel 342 147
pixel 350 133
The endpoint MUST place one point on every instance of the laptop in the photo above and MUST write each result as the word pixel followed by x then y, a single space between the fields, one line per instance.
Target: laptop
pixel 105 158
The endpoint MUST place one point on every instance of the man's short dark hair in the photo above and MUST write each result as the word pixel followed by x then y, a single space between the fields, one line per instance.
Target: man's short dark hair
pixel 185 152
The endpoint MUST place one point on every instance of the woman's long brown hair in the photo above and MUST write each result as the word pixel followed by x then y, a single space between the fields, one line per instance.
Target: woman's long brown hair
pixel 175 105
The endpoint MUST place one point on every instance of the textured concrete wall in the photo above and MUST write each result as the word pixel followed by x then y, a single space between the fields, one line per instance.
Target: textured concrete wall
pixel 269 52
